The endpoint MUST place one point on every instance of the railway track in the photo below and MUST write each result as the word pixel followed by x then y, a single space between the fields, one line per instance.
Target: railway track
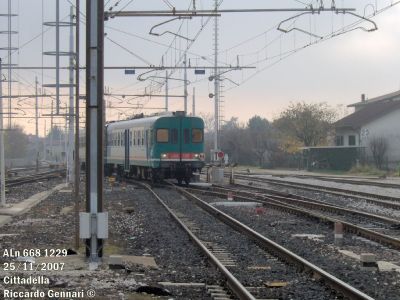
pixel 347 180
pixel 289 205
pixel 34 177
pixel 219 253
pixel 313 204
pixel 381 200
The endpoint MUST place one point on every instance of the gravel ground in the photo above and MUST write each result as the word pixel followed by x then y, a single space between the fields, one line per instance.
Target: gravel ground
pixel 148 230
pixel 280 227
pixel 21 192
pixel 254 267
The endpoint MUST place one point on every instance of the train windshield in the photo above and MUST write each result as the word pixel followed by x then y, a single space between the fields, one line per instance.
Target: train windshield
pixel 197 135
pixel 162 136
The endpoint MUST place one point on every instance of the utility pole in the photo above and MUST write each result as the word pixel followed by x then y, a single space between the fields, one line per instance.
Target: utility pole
pixel 77 166
pixel 216 87
pixel 71 101
pixel 185 92
pixel 57 56
pixel 2 161
pixel 37 124
pixel 9 62
pixel 94 223
pixel 44 142
pixel 194 102
pixel 66 162
pixel 51 131
pixel 166 90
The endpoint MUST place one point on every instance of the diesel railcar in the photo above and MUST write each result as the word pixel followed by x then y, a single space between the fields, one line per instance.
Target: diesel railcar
pixel 169 145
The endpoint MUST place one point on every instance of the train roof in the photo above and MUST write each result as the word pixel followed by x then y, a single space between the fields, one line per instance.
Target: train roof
pixel 144 120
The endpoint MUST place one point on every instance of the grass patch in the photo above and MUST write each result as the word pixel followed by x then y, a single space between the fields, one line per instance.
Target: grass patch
pixel 367 170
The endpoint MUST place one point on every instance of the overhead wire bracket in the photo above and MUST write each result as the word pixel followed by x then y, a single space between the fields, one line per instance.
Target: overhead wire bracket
pixel 333 9
pixel 167 31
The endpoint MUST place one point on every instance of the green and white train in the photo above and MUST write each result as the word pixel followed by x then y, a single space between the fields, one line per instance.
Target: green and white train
pixel 168 145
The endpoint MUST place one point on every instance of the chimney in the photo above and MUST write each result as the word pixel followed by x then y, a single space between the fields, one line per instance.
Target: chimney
pixel 362 97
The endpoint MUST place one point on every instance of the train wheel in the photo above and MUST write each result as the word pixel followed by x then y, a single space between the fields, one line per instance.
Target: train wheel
pixel 179 181
pixel 187 180
pixel 153 176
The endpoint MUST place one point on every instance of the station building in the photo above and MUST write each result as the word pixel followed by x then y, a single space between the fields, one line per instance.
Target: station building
pixel 374 126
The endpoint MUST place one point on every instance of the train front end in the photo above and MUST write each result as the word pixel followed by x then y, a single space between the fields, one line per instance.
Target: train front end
pixel 179 146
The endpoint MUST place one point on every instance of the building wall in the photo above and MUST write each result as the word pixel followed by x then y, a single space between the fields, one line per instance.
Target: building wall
pixel 346 133
pixel 388 127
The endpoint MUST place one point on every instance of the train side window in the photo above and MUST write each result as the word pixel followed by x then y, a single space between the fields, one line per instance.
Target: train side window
pixel 130 138
pixel 134 137
pixel 186 136
pixel 197 135
pixel 162 135
pixel 142 135
pixel 174 136
pixel 138 140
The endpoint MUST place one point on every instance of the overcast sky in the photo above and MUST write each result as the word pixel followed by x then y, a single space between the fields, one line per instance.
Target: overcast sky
pixel 334 70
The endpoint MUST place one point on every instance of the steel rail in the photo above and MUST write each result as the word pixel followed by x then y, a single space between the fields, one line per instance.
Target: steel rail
pixel 347 226
pixel 368 197
pixel 316 204
pixel 285 254
pixel 32 178
pixel 357 180
pixel 234 284
pixel 348 180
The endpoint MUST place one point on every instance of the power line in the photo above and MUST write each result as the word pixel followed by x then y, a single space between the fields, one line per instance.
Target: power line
pixel 130 52
pixel 323 39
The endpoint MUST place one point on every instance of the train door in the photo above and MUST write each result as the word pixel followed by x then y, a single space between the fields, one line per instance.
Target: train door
pixel 147 141
pixel 126 143
pixel 180 127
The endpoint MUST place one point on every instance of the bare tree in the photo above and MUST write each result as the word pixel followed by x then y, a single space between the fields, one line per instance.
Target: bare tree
pixel 208 121
pixel 378 147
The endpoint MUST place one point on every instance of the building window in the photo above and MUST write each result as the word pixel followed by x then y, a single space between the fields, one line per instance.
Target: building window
pixel 352 140
pixel 339 140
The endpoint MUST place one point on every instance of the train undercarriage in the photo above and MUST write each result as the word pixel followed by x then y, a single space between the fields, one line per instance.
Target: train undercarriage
pixel 182 172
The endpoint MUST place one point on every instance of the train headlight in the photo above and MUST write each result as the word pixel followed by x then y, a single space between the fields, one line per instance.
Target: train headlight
pixel 163 155
pixel 199 156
